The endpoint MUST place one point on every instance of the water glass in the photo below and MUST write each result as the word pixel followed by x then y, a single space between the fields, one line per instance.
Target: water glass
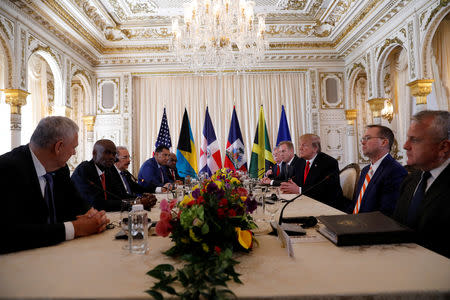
pixel 125 208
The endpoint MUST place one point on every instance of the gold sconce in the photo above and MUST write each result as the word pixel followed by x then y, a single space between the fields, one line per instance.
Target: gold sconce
pixel 388 110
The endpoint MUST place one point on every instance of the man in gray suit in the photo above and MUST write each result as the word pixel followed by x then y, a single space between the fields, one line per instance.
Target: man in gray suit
pixel 424 195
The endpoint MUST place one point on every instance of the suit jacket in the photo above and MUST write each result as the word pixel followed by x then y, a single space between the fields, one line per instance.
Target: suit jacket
pixel 383 189
pixel 150 173
pixel 288 172
pixel 433 222
pixel 172 178
pixel 24 221
pixel 329 192
pixel 136 189
pixel 89 185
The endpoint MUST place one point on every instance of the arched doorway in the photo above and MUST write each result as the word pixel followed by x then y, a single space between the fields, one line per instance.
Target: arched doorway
pixel 5 127
pixel 439 98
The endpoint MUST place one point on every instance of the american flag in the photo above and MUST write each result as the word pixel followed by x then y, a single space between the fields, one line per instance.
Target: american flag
pixel 164 133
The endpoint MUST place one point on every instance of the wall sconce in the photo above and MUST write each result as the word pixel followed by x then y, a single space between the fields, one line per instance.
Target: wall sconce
pixel 388 110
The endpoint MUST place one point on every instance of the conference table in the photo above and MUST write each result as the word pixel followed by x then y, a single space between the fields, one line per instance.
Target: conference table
pixel 98 267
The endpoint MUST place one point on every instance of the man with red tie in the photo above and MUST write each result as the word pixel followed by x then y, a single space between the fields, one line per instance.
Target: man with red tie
pixel 313 167
pixel 379 184
pixel 93 178
pixel 172 169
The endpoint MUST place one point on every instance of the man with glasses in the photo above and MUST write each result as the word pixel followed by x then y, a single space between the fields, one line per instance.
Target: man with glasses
pixel 424 203
pixel 379 183
pixel 126 184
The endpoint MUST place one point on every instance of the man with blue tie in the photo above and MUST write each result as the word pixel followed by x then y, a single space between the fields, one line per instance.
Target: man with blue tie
pixel 379 183
pixel 154 170
pixel 41 205
pixel 424 203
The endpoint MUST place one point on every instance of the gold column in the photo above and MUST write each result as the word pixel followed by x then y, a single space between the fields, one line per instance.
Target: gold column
pixel 350 115
pixel 420 88
pixel 16 98
pixel 376 105
pixel 89 122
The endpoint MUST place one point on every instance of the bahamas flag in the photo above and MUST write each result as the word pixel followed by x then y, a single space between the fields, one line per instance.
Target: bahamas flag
pixel 186 153
pixel 283 130
pixel 261 152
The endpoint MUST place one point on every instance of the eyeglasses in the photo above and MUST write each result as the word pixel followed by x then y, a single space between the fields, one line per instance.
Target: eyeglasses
pixel 124 157
pixel 367 137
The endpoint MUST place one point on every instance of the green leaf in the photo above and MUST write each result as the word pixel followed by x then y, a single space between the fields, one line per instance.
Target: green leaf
pixel 205 228
pixel 169 290
pixel 156 295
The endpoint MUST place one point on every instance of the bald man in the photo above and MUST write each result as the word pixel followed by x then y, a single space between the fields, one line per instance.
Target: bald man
pixel 93 178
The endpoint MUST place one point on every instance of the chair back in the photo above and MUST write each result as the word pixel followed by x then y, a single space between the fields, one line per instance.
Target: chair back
pixel 348 177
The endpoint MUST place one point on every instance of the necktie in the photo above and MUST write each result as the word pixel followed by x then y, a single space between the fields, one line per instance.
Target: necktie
pixel 102 177
pixel 125 180
pixel 417 199
pixel 306 172
pixel 278 170
pixel 162 175
pixel 363 189
pixel 173 174
pixel 48 197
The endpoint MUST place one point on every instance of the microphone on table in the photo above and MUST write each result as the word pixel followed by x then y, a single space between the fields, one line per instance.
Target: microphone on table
pixel 292 220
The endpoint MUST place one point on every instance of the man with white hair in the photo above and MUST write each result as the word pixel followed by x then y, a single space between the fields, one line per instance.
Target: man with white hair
pixel 424 203
pixel 41 205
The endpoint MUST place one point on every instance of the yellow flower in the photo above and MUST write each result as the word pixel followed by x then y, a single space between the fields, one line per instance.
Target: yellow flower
pixel 193 237
pixel 244 237
pixel 219 184
pixel 205 247
pixel 234 180
pixel 243 198
pixel 186 200
pixel 184 240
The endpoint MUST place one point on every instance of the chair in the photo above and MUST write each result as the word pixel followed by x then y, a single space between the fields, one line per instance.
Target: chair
pixel 348 178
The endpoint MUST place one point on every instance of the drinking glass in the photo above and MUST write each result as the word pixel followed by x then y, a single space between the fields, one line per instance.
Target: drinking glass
pixel 125 208
pixel 272 208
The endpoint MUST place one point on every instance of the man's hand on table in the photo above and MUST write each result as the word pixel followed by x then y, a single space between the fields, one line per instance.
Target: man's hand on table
pixel 93 221
pixel 148 200
pixel 289 187
pixel 265 180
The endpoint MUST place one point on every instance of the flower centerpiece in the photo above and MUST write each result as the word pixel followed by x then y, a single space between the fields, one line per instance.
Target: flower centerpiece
pixel 207 226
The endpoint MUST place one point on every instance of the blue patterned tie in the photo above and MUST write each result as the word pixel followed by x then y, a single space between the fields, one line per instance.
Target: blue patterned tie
pixel 48 197
pixel 125 180
pixel 417 199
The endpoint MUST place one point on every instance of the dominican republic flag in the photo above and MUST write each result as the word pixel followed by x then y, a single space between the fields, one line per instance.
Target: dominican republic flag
pixel 283 130
pixel 210 160
pixel 164 133
pixel 186 153
pixel 235 158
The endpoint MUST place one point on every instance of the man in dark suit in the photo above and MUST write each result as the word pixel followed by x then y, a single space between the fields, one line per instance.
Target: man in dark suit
pixel 424 195
pixel 289 163
pixel 172 171
pixel 154 170
pixel 275 169
pixel 94 181
pixel 126 184
pixel 379 183
pixel 313 167
pixel 40 204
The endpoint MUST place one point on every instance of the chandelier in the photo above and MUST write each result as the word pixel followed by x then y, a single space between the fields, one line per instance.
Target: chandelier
pixel 219 35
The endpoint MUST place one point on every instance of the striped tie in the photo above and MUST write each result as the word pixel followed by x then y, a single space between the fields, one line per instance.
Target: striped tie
pixel 363 189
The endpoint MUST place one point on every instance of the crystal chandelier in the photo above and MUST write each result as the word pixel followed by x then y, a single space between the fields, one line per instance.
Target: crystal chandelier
pixel 219 35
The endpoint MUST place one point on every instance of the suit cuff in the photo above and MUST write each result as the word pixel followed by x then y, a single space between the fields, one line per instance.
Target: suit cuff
pixel 271 182
pixel 299 189
pixel 158 189
pixel 70 231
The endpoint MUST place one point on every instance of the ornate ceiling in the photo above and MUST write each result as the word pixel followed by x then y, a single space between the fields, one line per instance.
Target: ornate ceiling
pixel 99 29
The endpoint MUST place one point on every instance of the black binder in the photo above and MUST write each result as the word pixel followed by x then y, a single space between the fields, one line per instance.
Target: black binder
pixel 364 229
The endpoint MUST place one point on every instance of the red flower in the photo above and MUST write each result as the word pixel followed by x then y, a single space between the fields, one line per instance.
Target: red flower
pixel 217 249
pixel 192 202
pixel 200 200
pixel 223 202
pixel 241 191
pixel 163 228
pixel 231 212
pixel 220 213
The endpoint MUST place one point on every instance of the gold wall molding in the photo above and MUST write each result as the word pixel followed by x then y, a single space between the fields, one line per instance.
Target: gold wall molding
pixel 387 43
pixel 8 58
pixel 212 72
pixel 376 105
pixel 420 88
pixel 441 5
pixel 16 98
pixel 350 116
pixel 89 122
